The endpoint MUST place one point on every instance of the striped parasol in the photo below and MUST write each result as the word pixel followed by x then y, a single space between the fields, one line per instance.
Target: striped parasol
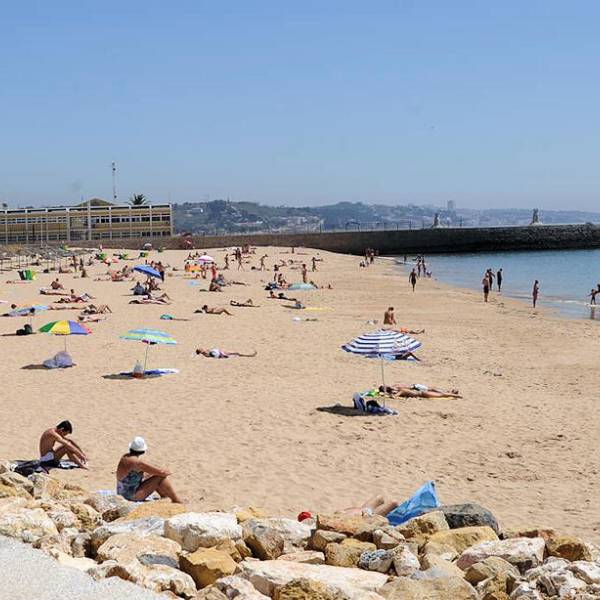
pixel 149 337
pixel 65 328
pixel 382 344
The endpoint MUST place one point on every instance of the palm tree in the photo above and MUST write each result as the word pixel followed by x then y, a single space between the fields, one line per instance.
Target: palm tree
pixel 137 200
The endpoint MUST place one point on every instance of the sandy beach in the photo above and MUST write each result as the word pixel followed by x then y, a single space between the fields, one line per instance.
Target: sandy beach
pixel 252 430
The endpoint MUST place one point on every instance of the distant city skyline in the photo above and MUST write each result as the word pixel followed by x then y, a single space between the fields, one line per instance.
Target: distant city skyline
pixel 487 105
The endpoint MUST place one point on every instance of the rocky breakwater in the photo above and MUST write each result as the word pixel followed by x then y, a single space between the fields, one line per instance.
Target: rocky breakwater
pixel 455 553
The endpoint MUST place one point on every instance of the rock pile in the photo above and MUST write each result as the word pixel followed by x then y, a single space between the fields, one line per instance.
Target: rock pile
pixel 455 553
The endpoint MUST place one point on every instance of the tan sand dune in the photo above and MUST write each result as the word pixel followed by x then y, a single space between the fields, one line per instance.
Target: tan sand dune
pixel 248 431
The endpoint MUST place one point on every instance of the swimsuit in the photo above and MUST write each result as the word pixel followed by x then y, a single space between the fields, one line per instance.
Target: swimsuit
pixel 49 459
pixel 129 485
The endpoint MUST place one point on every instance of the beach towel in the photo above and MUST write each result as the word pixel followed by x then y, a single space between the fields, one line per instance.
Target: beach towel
pixel 423 500
pixel 152 373
pixel 28 467
pixel 360 403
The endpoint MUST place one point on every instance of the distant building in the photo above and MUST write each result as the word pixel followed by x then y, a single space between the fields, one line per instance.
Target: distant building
pixel 451 206
pixel 93 220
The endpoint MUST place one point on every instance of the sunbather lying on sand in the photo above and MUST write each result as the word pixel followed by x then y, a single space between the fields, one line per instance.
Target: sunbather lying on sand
pixel 378 505
pixel 418 390
pixel 90 318
pixel 216 353
pixel 213 311
pixel 137 479
pixel 281 296
pixel 247 304
pixel 46 292
pixel 92 309
pixel 150 300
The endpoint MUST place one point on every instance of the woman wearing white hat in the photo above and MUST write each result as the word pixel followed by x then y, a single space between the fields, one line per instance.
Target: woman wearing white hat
pixel 137 479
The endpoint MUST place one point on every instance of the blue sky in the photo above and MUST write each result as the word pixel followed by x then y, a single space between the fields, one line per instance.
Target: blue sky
pixel 490 104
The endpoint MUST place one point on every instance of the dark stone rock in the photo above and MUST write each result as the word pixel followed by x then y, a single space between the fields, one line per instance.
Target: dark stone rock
pixel 469 515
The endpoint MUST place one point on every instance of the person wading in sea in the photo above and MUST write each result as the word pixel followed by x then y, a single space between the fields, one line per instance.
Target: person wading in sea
pixel 499 276
pixel 535 292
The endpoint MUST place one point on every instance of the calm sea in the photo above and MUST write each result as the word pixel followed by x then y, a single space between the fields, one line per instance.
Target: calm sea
pixel 566 276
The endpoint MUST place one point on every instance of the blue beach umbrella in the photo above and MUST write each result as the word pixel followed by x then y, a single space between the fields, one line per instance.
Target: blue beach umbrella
pixel 146 270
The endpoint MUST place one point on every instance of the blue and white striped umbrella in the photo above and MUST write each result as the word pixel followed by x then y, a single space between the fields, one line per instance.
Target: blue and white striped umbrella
pixel 378 344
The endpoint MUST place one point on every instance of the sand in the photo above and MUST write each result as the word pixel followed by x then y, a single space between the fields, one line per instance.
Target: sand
pixel 253 431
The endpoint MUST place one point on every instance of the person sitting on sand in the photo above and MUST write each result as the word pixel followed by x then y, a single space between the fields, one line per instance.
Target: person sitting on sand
pixel 137 479
pixel 57 285
pixel 138 289
pixel 418 390
pixel 213 311
pixel 389 318
pixel 51 453
pixel 247 304
pixel 216 353
pixel 214 286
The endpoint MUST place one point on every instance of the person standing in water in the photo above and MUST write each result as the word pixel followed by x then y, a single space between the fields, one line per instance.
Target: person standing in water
pixel 499 276
pixel 592 295
pixel 535 292
pixel 485 282
pixel 412 278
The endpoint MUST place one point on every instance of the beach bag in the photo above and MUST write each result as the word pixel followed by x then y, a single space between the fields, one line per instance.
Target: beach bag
pixel 424 500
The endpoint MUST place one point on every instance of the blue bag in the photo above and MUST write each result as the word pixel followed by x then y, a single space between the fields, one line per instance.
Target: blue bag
pixel 424 500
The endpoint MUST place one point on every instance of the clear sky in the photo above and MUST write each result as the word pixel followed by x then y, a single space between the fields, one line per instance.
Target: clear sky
pixel 490 104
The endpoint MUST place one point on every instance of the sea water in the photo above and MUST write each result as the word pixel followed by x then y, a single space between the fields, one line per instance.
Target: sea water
pixel 566 276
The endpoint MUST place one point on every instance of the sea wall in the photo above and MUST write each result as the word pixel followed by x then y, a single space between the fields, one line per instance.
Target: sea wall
pixel 540 237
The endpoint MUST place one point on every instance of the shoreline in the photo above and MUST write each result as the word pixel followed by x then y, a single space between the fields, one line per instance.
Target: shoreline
pixel 513 444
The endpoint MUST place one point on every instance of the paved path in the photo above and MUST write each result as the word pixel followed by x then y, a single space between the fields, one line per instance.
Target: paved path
pixel 29 574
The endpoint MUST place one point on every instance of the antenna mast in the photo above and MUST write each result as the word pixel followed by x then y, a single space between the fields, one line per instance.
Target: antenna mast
pixel 114 180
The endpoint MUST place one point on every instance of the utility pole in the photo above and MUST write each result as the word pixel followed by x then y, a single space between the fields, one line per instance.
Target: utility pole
pixel 114 180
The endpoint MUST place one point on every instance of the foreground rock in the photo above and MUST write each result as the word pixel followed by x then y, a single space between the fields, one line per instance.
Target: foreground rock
pixel 268 576
pixel 202 530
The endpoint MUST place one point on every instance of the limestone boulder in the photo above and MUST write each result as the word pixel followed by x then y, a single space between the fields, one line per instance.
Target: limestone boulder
pixel 9 491
pixel 28 524
pixel 347 553
pixel 110 506
pixel 320 538
pixel 562 583
pixel 233 586
pixel 356 526
pixel 62 517
pixel 387 538
pixel 265 542
pixel 150 550
pixel 269 576
pixel 5 465
pixel 13 503
pixel 526 591
pixel 523 553
pixel 488 568
pixel 441 588
pixel 206 565
pixel 453 542
pixel 142 527
pixel 586 571
pixel 89 518
pixel 308 557
pixel 47 488
pixel 79 563
pixel 245 513
pixel 376 560
pixel 530 531
pixel 202 530
pixel 305 589
pixel 469 515
pixel 422 527
pixel 433 561
pixel 81 544
pixel 158 578
pixel 568 547
pixel 230 547
pixel 295 535
pixel 405 562
pixel 162 509
pixel 18 482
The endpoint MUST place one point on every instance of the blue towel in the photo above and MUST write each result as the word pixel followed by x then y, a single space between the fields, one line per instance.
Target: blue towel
pixel 423 500
pixel 361 404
